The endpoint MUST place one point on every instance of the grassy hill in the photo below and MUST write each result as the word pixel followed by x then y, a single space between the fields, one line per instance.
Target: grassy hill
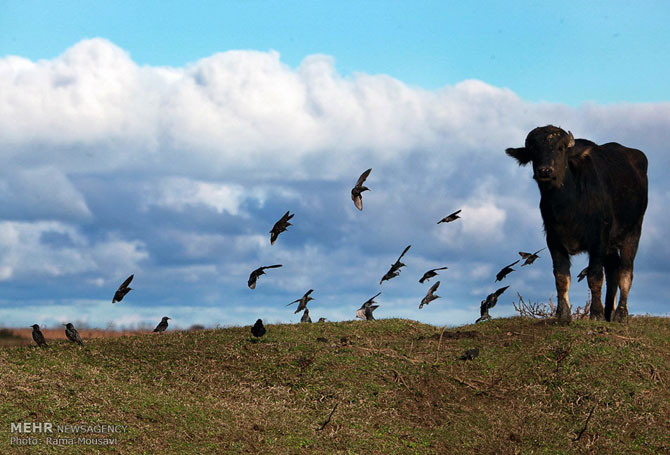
pixel 396 387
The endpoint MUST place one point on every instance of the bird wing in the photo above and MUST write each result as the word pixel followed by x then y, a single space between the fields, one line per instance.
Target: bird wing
pixel 360 313
pixel 434 287
pixel 455 213
pixel 274 266
pixel 540 250
pixel 441 268
pixel 286 217
pixel 524 255
pixel 295 301
pixel 363 176
pixel 500 291
pixel 358 201
pixel 127 282
pixel 403 253
pixel 513 263
pixel 372 299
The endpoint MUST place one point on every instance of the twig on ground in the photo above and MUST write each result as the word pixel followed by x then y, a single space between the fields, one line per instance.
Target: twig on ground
pixel 329 417
pixel 579 436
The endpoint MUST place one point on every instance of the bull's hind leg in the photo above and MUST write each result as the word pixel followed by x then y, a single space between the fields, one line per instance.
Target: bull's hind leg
pixel 628 251
pixel 595 279
pixel 612 262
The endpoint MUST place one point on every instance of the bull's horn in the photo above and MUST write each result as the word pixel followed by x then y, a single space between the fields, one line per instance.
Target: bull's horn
pixel 571 143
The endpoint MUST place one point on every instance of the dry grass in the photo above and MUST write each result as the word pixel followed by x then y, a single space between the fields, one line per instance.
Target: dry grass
pixel 384 387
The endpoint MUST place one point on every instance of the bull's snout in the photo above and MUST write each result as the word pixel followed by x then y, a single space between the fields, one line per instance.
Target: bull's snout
pixel 544 173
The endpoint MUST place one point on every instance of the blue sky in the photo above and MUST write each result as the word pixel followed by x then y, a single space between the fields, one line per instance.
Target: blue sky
pixel 567 52
pixel 164 139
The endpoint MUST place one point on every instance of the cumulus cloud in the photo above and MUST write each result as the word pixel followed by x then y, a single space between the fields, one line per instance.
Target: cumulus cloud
pixel 178 174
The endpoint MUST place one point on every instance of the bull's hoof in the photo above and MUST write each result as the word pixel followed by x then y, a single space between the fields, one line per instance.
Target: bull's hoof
pixel 563 315
pixel 597 316
pixel 621 314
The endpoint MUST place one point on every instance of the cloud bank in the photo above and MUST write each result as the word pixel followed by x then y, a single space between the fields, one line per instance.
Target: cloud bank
pixel 178 174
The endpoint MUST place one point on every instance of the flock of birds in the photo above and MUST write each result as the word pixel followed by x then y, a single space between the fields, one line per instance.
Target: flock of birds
pixel 364 312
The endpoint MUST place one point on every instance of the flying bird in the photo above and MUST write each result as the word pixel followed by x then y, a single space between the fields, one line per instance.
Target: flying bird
pixel 429 295
pixel 449 218
pixel 506 271
pixel 123 289
pixel 358 189
pixel 37 336
pixel 279 227
pixel 162 325
pixel 394 271
pixel 258 272
pixel 303 301
pixel 72 334
pixel 258 330
pixel 430 274
pixel 305 316
pixel 530 257
pixel 365 311
pixel 582 274
pixel 489 303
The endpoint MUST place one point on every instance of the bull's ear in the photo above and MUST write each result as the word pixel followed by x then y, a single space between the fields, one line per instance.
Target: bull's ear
pixel 578 153
pixel 521 154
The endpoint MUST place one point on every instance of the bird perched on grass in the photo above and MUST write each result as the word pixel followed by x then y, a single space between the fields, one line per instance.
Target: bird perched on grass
pixel 305 316
pixel 582 274
pixel 470 354
pixel 358 189
pixel 449 218
pixel 365 311
pixel 430 274
pixel 162 325
pixel 321 320
pixel 506 271
pixel 303 301
pixel 38 336
pixel 530 257
pixel 489 303
pixel 279 227
pixel 258 272
pixel 258 330
pixel 123 289
pixel 394 271
pixel 72 334
pixel 429 295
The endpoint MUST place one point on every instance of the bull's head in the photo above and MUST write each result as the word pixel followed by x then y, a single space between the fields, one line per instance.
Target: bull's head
pixel 550 149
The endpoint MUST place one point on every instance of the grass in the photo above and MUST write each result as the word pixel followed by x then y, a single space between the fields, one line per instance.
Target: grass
pixel 399 387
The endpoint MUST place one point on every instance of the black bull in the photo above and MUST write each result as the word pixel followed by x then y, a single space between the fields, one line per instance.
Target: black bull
pixel 592 199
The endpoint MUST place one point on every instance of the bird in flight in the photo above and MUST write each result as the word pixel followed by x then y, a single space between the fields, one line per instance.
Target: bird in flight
pixel 449 218
pixel 429 295
pixel 162 325
pixel 72 334
pixel 365 311
pixel 489 303
pixel 258 272
pixel 582 274
pixel 38 336
pixel 394 271
pixel 430 274
pixel 258 330
pixel 302 301
pixel 530 257
pixel 123 290
pixel 279 227
pixel 359 188
pixel 506 271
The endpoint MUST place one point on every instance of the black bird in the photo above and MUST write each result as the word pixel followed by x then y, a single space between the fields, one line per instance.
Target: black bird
pixel 506 271
pixel 37 336
pixel 358 189
pixel 258 330
pixel 321 320
pixel 123 289
pixel 582 274
pixel 279 227
pixel 489 303
pixel 365 311
pixel 449 218
pixel 470 354
pixel 305 316
pixel 258 272
pixel 162 325
pixel 303 301
pixel 72 334
pixel 430 274
pixel 429 295
pixel 530 257
pixel 394 271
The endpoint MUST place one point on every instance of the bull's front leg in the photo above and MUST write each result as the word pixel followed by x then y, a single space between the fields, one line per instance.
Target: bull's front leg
pixel 561 261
